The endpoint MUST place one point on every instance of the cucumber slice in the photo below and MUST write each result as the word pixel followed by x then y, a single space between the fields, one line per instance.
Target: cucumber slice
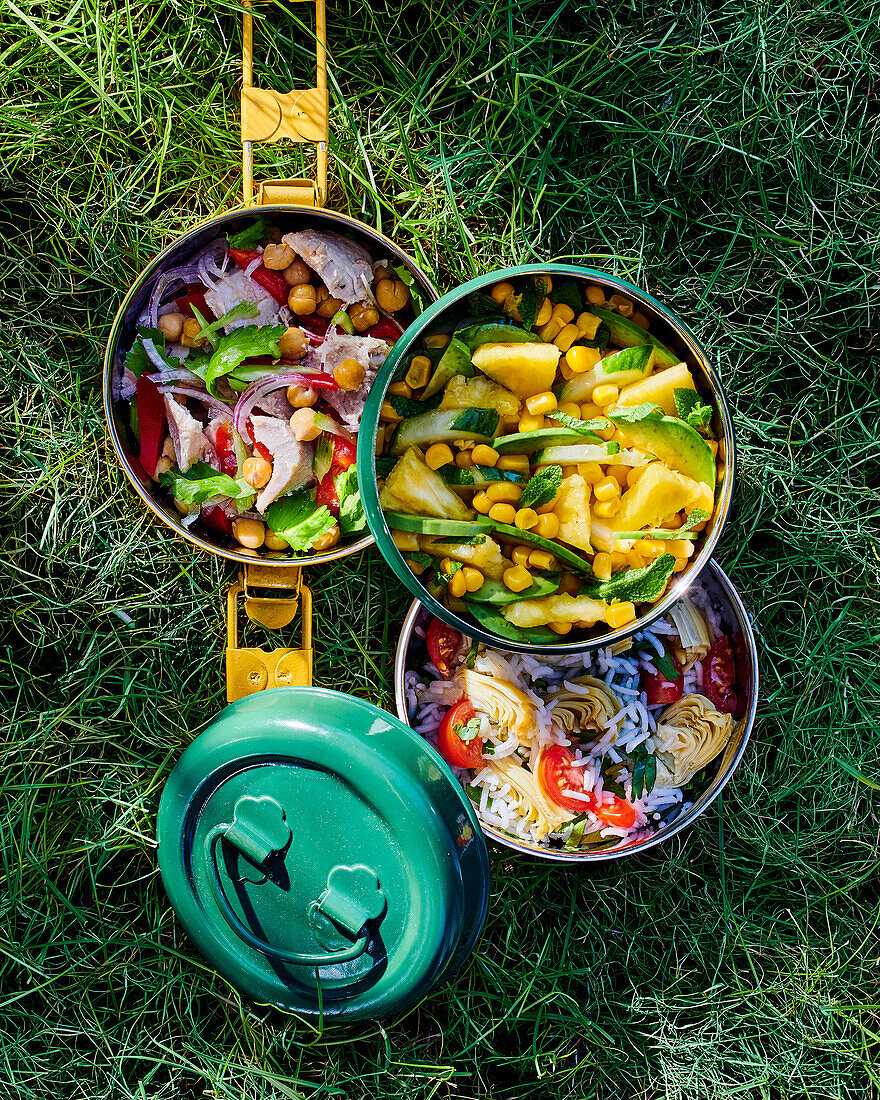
pixel 588 452
pixel 623 368
pixel 569 558
pixel 627 334
pixel 491 620
pixel 431 525
pixel 499 595
pixel 525 442
pixel 474 477
pixel 444 426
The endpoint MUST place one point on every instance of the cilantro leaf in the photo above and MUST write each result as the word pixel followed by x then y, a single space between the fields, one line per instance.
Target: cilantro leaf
pixel 586 427
pixel 351 512
pixel 299 520
pixel 542 487
pixel 568 293
pixel 249 237
pixel 137 360
pixel 244 343
pixel 691 409
pixel 201 482
pixel 637 585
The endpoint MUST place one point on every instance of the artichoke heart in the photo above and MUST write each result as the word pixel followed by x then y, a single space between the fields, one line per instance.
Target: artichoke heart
pixel 506 705
pixel 591 710
pixel 543 815
pixel 690 734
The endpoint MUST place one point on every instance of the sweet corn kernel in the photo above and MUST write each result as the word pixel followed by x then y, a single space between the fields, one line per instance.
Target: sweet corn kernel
pixel 541 559
pixel 419 372
pixel 605 509
pixel 569 584
pixel 473 578
pixel 634 559
pixel 484 456
pixel 544 312
pixel 416 567
pixel 605 395
pixel 712 445
pixel 446 565
pixel 503 492
pixel 680 564
pixel 433 343
pixel 589 411
pixel 520 555
pixel 502 513
pixel 607 488
pixel 619 473
pixel 565 370
pixel 482 503
pixel 582 359
pixel 682 548
pixel 547 508
pixel 638 318
pixel 457 585
pixel 563 313
pixel 602 566
pixel 525 519
pixel 560 628
pixel 595 295
pixel 547 280
pixel 517 578
pixel 653 548
pixel 380 439
pixel 517 464
pixel 553 327
pixel 566 337
pixel 619 614
pixel 400 389
pixel 437 455
pixel 405 540
pixel 591 472
pixel 570 408
pixel 500 291
pixel 623 305
pixel 567 471
pixel 633 474
pixel 588 325
pixel 529 423
pixel 541 403
pixel 388 412
pixel 547 526
pixel 606 433
pixel 463 460
pixel 618 560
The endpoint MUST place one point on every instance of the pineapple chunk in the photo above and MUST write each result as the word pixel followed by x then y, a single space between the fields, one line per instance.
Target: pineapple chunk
pixel 561 608
pixel 415 489
pixel 573 510
pixel 526 369
pixel 485 556
pixel 659 492
pixel 480 393
pixel 659 389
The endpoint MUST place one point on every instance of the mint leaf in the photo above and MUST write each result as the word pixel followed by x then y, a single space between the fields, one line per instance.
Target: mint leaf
pixel 351 512
pixel 542 487
pixel 699 515
pixel 568 293
pixel 405 407
pixel 299 520
pixel 482 305
pixel 137 360
pixel 585 427
pixel 600 340
pixel 249 237
pixel 425 560
pixel 691 409
pixel 530 302
pixel 638 413
pixel 637 585
pixel 244 343
pixel 384 465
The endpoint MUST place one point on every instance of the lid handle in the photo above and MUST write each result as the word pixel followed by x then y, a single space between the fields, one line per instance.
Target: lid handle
pixel 259 831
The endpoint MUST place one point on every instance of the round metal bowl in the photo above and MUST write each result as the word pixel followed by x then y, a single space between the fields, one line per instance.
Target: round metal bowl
pixel 669 329
pixel 122 335
pixel 411 653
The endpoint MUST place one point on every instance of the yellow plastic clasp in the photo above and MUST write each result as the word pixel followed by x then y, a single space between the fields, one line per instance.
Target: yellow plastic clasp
pixel 301 116
pixel 252 670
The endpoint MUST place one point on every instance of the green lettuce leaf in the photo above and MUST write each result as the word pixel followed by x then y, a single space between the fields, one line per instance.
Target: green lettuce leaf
pixel 299 520
pixel 250 237
pixel 636 585
pixel 211 329
pixel 542 487
pixel 243 343
pixel 351 512
pixel 201 482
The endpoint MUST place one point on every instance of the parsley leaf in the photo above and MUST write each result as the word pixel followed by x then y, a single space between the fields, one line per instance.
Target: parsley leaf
pixel 542 487
pixel 691 409
pixel 249 237
pixel 299 520
pixel 201 482
pixel 468 731
pixel 212 328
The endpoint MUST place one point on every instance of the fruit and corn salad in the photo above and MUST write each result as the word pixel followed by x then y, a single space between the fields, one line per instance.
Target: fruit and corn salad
pixel 548 463
pixel 246 381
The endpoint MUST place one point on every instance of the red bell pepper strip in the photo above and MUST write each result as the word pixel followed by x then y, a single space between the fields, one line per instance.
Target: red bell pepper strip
pixel 261 449
pixel 195 296
pixel 151 422
pixel 314 325
pixel 327 493
pixel 273 281
pixel 344 453
pixel 217 519
pixel 387 330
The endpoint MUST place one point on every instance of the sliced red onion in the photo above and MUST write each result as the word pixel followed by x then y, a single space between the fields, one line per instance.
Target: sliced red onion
pixel 154 355
pixel 174 374
pixel 252 266
pixel 251 396
pixel 124 385
pixel 183 274
pixel 210 403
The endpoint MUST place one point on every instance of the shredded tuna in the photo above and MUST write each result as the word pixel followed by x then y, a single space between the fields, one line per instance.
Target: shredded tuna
pixel 368 351
pixel 234 288
pixel 345 267
pixel 190 444
pixel 292 461
pixel 276 404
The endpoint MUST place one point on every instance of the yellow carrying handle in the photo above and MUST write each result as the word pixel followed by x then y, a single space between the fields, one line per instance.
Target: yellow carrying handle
pixel 301 116
pixel 251 670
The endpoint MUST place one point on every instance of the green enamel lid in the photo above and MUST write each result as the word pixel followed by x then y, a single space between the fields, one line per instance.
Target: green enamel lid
pixel 322 855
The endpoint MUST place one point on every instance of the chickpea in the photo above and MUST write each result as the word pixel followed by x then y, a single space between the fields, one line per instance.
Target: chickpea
pixel 328 540
pixel 363 316
pixel 251 533
pixel 191 329
pixel 327 305
pixel 171 326
pixel 380 275
pixel 392 295
pixel 301 397
pixel 297 273
pixel 303 426
pixel 274 542
pixel 349 374
pixel 256 471
pixel 278 256
pixel 293 343
pixel 185 509
pixel 302 299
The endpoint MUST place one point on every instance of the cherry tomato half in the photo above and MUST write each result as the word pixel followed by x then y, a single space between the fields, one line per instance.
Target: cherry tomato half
pixel 660 690
pixel 557 773
pixel 344 452
pixel 719 676
pixel 226 451
pixel 461 754
pixel 442 642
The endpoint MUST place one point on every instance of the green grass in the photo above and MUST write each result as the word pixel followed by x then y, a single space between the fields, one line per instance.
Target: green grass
pixel 724 162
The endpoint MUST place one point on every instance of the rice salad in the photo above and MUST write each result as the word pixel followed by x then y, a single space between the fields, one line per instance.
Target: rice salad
pixel 585 751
